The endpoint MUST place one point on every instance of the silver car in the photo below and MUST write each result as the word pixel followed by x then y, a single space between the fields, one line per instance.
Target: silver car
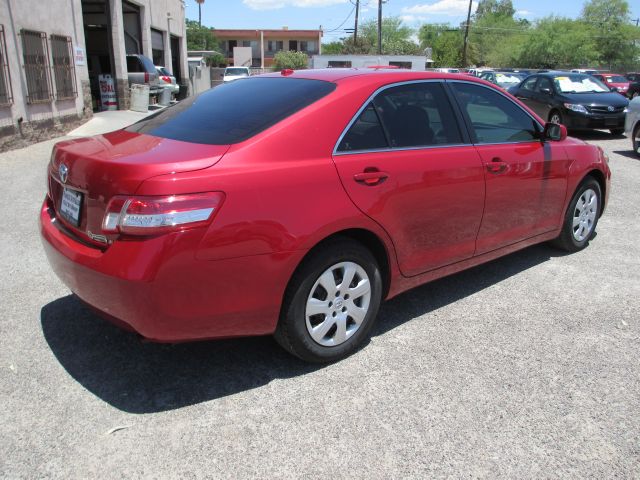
pixel 632 125
pixel 167 79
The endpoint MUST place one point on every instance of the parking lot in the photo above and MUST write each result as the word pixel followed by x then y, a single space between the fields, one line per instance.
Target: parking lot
pixel 527 367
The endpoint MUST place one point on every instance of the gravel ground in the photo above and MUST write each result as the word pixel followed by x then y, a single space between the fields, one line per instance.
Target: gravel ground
pixel 526 367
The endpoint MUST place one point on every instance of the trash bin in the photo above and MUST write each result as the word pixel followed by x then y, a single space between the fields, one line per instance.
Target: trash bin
pixel 164 98
pixel 140 98
pixel 182 94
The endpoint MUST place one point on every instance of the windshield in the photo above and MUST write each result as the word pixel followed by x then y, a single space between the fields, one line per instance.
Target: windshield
pixel 616 79
pixel 508 79
pixel 236 71
pixel 234 111
pixel 579 84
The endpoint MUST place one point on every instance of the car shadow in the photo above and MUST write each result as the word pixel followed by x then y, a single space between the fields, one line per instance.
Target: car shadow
pixel 595 135
pixel 142 377
pixel 627 153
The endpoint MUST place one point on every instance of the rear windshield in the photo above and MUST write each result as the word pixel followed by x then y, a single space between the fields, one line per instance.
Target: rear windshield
pixel 235 111
pixel 616 79
pixel 236 71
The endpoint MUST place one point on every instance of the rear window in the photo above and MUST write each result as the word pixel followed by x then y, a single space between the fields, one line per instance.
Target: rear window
pixel 236 71
pixel 235 111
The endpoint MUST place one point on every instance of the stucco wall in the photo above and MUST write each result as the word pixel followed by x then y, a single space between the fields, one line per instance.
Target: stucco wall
pixel 63 17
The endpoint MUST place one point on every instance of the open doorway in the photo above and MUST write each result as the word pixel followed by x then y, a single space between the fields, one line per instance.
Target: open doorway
pixel 97 33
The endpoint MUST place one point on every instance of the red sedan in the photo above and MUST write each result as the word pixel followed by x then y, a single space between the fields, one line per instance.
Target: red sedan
pixel 620 82
pixel 293 204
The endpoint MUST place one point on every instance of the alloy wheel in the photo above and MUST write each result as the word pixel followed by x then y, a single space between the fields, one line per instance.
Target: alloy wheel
pixel 584 215
pixel 555 118
pixel 338 304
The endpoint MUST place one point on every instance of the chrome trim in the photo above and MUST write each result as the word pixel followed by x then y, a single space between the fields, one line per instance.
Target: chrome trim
pixel 401 149
pixel 404 149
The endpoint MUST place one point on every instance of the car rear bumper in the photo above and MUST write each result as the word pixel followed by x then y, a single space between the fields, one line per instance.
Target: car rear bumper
pixel 156 286
pixel 579 121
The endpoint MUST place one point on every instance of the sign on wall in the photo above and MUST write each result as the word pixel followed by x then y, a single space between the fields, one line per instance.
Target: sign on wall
pixel 79 55
pixel 108 99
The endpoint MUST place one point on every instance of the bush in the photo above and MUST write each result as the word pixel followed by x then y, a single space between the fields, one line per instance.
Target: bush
pixel 216 60
pixel 291 59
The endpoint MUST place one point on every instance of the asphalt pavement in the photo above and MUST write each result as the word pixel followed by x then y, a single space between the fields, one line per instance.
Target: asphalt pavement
pixel 526 367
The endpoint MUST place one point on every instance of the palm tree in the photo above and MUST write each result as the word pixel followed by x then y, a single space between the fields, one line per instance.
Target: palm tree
pixel 200 2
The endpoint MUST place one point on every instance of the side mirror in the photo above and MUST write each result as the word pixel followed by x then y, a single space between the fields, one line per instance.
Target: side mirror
pixel 546 90
pixel 554 132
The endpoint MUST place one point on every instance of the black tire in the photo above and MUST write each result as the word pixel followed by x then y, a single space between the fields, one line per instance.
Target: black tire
pixel 635 140
pixel 616 131
pixel 292 332
pixel 566 240
pixel 556 112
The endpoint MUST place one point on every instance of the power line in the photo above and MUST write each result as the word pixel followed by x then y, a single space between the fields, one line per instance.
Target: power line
pixel 345 21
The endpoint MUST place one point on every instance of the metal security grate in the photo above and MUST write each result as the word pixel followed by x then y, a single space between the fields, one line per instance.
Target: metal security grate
pixel 6 93
pixel 63 67
pixel 35 53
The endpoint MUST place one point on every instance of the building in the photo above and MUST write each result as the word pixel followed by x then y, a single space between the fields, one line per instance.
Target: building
pixel 53 53
pixel 411 62
pixel 265 44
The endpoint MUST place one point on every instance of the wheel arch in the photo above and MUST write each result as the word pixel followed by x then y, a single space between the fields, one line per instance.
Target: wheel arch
pixel 600 178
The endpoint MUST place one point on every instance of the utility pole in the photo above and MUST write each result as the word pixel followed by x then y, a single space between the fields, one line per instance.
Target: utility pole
pixel 466 37
pixel 379 27
pixel 355 29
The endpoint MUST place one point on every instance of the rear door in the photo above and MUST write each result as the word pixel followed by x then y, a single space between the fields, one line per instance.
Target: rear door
pixel 405 163
pixel 526 179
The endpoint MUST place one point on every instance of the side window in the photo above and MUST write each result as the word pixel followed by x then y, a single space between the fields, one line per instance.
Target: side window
pixel 365 134
pixel 529 83
pixel 133 65
pixel 417 114
pixel 543 84
pixel 494 118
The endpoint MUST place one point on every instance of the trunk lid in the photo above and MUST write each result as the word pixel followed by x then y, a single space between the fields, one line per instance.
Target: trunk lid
pixel 117 163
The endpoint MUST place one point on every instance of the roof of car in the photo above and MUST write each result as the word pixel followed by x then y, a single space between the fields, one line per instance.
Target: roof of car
pixel 335 74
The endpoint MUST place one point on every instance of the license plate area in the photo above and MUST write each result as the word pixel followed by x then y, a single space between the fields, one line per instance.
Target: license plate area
pixel 70 206
pixel 609 122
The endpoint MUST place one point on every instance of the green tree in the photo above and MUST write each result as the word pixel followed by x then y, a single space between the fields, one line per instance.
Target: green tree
pixel 447 49
pixel 396 37
pixel 333 48
pixel 608 21
pixel 200 38
pixel 290 59
pixel 501 8
pixel 557 43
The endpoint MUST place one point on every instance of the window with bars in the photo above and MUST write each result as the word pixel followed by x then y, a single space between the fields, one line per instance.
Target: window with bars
pixel 6 94
pixel 35 53
pixel 63 67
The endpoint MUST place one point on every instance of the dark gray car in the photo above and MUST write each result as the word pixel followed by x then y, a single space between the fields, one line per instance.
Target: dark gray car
pixel 142 71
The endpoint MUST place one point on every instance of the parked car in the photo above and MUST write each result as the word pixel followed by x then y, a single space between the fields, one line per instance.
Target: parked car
pixel 234 73
pixel 168 79
pixel 586 71
pixel 448 70
pixel 476 72
pixel 632 125
pixel 504 80
pixel 142 71
pixel 293 204
pixel 614 81
pixel 577 100
pixel 634 85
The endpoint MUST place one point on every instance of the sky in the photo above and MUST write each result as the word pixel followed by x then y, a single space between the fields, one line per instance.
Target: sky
pixel 335 15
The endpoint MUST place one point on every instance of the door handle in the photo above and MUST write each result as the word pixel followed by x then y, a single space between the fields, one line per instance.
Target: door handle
pixel 497 166
pixel 371 177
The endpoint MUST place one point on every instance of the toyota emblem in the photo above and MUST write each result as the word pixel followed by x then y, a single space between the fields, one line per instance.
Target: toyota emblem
pixel 63 171
pixel 610 108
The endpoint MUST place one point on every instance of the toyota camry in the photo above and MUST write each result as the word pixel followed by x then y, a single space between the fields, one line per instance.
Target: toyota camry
pixel 294 203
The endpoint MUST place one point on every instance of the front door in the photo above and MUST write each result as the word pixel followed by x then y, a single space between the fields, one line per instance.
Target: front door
pixel 404 163
pixel 525 177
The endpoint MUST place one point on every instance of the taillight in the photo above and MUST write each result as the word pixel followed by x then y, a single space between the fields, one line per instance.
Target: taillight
pixel 154 215
pixel 166 78
pixel 146 77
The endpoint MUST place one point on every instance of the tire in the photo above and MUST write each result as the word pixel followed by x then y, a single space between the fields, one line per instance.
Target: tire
pixel 635 140
pixel 332 333
pixel 574 238
pixel 617 131
pixel 555 117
